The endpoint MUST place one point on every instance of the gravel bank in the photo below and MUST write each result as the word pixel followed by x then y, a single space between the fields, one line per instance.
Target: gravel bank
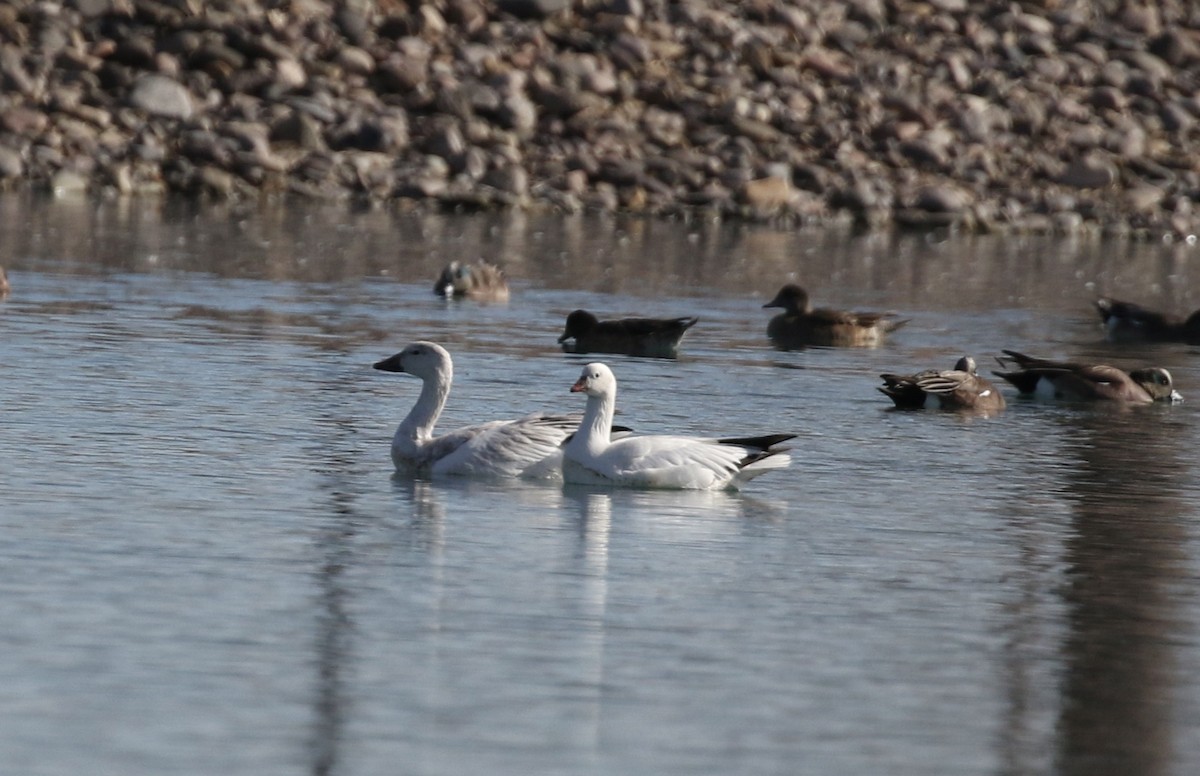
pixel 1058 115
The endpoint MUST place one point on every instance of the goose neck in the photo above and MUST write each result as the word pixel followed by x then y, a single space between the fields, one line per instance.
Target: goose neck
pixel 419 422
pixel 597 420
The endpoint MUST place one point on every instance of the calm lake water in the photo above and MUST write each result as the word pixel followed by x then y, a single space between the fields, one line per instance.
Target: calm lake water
pixel 207 566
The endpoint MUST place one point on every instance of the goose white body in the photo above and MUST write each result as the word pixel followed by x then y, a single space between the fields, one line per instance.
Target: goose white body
pixel 593 457
pixel 530 446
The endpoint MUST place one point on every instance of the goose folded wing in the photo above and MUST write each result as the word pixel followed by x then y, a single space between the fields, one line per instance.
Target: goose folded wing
pixel 510 446
pixel 657 455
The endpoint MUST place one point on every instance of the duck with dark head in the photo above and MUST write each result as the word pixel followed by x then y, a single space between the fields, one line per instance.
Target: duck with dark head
pixel 800 325
pixel 651 337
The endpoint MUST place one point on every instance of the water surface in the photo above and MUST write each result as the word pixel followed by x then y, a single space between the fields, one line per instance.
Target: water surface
pixel 207 565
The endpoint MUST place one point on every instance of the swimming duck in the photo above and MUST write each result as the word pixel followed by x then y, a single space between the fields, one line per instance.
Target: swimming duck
pixel 960 388
pixel 800 325
pixel 1065 380
pixel 1130 322
pixel 482 281
pixel 653 337
pixel 593 457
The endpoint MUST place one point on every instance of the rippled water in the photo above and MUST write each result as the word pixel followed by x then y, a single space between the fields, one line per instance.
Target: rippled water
pixel 208 567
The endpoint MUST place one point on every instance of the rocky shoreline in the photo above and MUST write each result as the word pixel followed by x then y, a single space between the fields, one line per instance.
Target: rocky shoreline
pixel 1046 115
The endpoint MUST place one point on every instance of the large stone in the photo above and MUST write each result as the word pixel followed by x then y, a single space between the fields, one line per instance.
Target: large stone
pixel 517 112
pixel 23 121
pixel 159 95
pixel 355 60
pixel 11 165
pixel 1144 198
pixel 766 194
pixel 532 9
pixel 942 199
pixel 511 180
pixel 1088 174
pixel 446 141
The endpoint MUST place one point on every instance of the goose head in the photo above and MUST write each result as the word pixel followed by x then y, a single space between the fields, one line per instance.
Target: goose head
pixel 421 359
pixel 596 380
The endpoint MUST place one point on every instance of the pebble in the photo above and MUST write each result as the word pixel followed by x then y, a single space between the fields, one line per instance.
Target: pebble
pixel 1087 174
pixel 161 96
pixel 766 195
pixel 11 165
pixel 942 199
pixel 918 113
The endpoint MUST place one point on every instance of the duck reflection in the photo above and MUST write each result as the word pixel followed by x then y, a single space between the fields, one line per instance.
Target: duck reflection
pixel 1123 559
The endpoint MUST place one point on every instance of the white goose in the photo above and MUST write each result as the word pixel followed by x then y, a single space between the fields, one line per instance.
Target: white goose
pixel 526 447
pixel 592 457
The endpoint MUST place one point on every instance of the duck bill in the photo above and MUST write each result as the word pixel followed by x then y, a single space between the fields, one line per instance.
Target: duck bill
pixel 580 386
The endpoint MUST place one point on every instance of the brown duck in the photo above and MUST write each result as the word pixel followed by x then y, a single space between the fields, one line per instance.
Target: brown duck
pixel 800 325
pixel 1087 382
pixel 481 280
pixel 960 388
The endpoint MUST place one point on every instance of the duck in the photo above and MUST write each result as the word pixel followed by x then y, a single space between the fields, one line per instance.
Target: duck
pixel 481 280
pixel 1089 382
pixel 1130 322
pixel 960 388
pixel 651 337
pixel 593 457
pixel 526 447
pixel 799 325
pixel 4 285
